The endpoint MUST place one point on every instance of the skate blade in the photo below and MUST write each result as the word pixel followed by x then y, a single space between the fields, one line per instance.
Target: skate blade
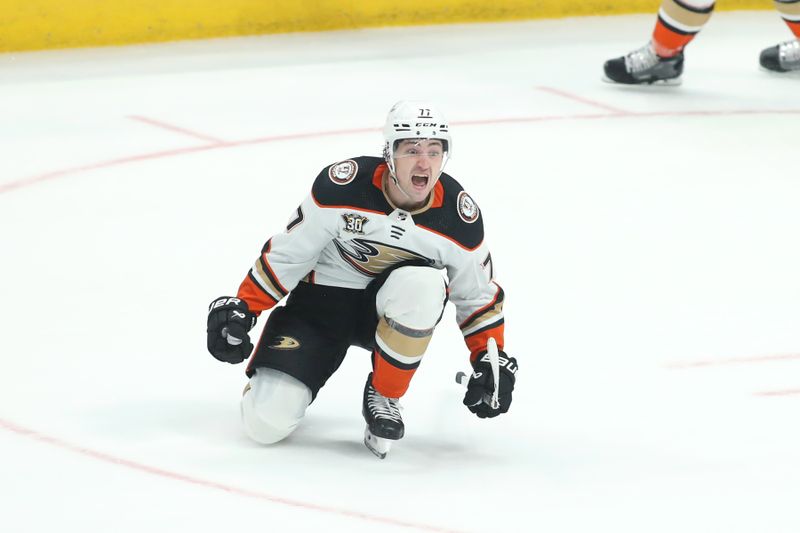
pixel 377 445
pixel 672 82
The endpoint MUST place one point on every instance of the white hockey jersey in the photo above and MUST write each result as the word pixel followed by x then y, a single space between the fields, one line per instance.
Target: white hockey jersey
pixel 346 232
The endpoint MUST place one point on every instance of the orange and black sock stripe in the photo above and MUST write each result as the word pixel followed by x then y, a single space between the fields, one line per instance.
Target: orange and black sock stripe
pixel 790 12
pixel 397 355
pixel 677 24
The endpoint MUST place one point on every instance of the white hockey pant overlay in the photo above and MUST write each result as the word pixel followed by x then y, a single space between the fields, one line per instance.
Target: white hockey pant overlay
pixel 699 4
pixel 274 405
pixel 413 297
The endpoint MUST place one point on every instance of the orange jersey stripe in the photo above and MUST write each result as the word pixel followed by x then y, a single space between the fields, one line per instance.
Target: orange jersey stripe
pixel 377 176
pixel 438 195
pixel 477 341
pixel 257 300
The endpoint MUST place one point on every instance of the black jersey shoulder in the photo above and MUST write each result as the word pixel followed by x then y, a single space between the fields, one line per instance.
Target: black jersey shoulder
pixel 349 183
pixel 458 218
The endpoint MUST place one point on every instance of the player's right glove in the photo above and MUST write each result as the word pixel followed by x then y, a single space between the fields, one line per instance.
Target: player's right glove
pixel 480 388
pixel 229 320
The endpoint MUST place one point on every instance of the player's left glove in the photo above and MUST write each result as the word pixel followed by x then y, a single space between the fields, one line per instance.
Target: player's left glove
pixel 481 385
pixel 229 320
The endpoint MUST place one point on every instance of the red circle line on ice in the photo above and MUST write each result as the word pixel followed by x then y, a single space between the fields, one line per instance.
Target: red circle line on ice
pixel 214 143
pixel 175 476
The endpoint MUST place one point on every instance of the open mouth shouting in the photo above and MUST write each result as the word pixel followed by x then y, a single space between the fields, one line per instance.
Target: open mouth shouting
pixel 419 181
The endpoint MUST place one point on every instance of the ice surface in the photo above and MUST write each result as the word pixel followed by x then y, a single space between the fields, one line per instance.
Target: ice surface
pixel 647 240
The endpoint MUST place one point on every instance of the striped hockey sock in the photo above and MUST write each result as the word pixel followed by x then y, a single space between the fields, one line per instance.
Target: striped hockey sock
pixel 790 12
pixel 678 22
pixel 397 355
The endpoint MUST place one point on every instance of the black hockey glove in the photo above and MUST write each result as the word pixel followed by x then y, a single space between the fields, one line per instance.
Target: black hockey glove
pixel 480 388
pixel 229 320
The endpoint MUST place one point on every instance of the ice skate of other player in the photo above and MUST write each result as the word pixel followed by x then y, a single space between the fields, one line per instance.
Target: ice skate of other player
pixel 644 67
pixel 660 61
pixel 782 58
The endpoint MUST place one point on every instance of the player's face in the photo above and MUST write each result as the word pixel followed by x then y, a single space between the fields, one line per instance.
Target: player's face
pixel 417 164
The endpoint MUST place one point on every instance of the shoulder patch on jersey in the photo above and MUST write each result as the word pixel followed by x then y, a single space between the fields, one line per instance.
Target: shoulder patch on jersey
pixel 459 219
pixel 348 184
pixel 343 172
pixel 467 208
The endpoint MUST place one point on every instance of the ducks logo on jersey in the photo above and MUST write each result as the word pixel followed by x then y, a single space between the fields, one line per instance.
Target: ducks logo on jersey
pixel 371 257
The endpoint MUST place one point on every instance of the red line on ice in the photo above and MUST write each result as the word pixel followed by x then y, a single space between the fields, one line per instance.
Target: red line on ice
pixel 26 182
pixel 177 129
pixel 140 467
pixel 593 103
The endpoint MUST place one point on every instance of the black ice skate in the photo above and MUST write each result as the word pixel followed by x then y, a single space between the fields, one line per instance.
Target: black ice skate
pixel 384 421
pixel 643 66
pixel 783 57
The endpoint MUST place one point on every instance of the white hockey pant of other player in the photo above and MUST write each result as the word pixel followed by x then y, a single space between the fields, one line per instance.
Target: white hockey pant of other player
pixel 699 4
pixel 413 297
pixel 274 405
pixel 276 401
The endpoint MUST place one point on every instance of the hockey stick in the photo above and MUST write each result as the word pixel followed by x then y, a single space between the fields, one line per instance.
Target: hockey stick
pixel 494 360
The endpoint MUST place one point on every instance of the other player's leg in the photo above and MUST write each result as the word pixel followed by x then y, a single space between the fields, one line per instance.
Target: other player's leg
pixel 785 57
pixel 409 305
pixel 661 60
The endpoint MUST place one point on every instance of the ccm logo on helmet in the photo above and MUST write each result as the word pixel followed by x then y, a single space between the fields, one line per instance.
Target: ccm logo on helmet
pixel 426 124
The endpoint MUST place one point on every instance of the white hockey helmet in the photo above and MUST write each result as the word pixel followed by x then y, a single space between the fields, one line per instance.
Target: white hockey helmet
pixel 408 119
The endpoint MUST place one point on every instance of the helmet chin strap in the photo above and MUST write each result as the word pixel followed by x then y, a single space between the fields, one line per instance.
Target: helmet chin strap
pixel 397 184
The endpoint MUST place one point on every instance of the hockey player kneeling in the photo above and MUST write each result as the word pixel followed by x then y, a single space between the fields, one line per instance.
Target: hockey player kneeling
pixel 361 263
